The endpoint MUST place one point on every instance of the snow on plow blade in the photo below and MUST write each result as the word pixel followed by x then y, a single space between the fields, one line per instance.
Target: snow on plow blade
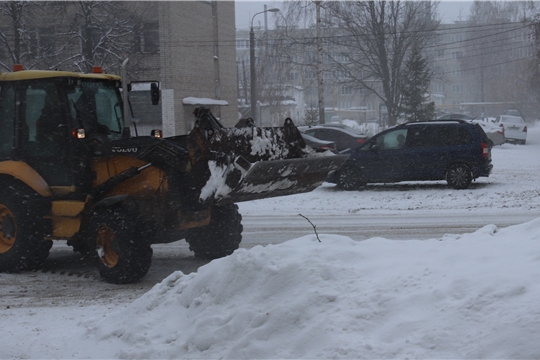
pixel 266 179
pixel 248 163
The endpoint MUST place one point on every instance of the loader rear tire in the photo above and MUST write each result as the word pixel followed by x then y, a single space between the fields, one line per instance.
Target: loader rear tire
pixel 219 238
pixel 121 254
pixel 22 244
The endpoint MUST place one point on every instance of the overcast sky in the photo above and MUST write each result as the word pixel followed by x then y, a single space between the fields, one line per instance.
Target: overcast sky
pixel 448 10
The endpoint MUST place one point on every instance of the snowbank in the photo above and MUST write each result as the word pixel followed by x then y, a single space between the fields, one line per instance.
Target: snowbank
pixel 470 296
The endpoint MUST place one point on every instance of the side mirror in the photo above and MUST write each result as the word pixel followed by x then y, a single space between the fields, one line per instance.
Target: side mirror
pixel 154 92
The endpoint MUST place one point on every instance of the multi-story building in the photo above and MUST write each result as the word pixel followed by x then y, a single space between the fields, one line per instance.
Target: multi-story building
pixel 185 45
pixel 476 69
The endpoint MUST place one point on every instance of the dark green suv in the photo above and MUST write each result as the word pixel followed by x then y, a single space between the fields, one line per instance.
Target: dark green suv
pixel 455 150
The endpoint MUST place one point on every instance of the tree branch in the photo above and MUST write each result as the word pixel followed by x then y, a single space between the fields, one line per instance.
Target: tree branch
pixel 314 227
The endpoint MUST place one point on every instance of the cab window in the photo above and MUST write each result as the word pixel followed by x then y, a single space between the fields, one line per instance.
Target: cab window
pixel 7 118
pixel 96 106
pixel 44 130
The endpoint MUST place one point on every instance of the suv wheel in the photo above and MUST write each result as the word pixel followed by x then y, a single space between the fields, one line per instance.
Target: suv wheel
pixel 349 178
pixel 459 176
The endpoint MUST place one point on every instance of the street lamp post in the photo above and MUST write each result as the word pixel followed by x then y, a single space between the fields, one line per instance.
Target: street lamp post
pixel 253 75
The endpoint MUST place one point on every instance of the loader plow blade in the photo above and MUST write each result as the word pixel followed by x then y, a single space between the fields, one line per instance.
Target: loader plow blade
pixel 249 163
pixel 267 179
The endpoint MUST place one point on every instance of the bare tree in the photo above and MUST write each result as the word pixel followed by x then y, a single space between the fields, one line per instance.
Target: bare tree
pixel 106 32
pixel 73 35
pixel 24 37
pixel 378 36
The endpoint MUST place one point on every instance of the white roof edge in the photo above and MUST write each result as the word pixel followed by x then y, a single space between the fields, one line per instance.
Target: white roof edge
pixel 203 101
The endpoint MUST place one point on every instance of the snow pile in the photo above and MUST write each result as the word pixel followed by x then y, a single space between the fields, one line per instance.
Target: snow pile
pixel 470 296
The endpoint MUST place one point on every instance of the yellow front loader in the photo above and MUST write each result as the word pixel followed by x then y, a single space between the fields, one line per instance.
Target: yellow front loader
pixel 70 170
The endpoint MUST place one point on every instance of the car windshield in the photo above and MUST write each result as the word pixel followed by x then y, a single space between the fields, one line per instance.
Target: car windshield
pixel 96 106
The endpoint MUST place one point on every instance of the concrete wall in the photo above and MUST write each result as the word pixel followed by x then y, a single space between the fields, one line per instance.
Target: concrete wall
pixel 197 57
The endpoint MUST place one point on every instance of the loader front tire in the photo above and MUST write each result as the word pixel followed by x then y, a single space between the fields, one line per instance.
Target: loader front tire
pixel 22 244
pixel 219 238
pixel 121 254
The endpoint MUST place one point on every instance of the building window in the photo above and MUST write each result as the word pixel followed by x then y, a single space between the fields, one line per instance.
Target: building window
pixel 242 44
pixel 458 89
pixel 292 76
pixel 343 58
pixel 310 58
pixel 438 87
pixel 310 75
pixel 46 38
pixel 346 105
pixel 456 72
pixel 346 90
pixel 150 38
pixel 440 54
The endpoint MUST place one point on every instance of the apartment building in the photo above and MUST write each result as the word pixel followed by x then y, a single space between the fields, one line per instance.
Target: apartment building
pixel 188 46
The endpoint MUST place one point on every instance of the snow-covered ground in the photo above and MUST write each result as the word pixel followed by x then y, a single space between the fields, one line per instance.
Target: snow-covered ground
pixel 457 296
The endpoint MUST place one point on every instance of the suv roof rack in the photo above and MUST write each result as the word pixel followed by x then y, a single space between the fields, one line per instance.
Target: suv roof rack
pixel 461 121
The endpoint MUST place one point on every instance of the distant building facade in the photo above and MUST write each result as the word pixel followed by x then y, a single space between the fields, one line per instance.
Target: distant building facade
pixel 479 70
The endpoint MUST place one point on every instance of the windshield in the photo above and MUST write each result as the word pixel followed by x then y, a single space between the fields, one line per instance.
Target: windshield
pixel 96 105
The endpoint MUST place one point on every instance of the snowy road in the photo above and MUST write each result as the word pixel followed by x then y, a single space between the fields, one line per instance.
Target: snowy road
pixel 263 230
pixel 511 195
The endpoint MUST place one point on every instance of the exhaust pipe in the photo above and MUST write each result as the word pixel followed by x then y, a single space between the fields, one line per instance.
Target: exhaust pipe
pixel 125 98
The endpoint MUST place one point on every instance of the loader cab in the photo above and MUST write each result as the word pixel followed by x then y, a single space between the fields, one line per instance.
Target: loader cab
pixel 42 118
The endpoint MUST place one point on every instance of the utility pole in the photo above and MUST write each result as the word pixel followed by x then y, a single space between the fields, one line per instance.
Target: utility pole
pixel 253 72
pixel 320 69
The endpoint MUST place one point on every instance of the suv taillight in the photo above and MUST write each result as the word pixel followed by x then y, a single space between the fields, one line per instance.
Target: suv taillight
pixel 525 129
pixel 485 150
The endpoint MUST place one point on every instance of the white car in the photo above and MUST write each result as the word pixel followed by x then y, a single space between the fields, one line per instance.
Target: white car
pixel 515 129
pixel 493 132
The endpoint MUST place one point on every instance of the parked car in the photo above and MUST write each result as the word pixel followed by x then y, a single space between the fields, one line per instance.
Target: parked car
pixel 514 112
pixel 457 151
pixel 344 138
pixel 456 116
pixel 515 129
pixel 340 126
pixel 319 145
pixel 493 132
